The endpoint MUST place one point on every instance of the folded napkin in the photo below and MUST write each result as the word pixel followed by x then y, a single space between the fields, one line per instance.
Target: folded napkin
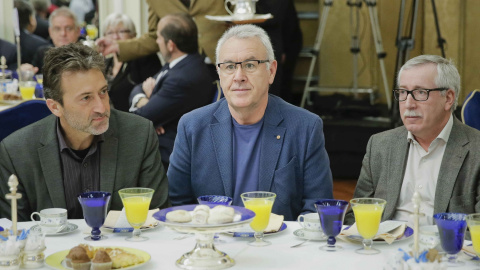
pixel 274 224
pixel 389 231
pixel 469 249
pixel 117 219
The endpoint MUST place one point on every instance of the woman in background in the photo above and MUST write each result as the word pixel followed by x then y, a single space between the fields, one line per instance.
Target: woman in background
pixel 123 76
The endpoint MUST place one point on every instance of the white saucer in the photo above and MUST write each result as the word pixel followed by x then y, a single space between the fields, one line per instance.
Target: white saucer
pixel 315 236
pixel 68 229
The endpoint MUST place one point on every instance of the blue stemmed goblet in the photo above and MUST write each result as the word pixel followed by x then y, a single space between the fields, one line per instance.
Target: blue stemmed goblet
pixel 215 199
pixel 332 213
pixel 94 205
pixel 451 227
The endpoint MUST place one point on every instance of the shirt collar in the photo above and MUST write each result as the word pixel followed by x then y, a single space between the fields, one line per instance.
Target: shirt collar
pixel 444 134
pixel 176 61
pixel 63 144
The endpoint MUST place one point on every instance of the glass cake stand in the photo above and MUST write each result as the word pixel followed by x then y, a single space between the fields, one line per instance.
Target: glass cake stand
pixel 205 255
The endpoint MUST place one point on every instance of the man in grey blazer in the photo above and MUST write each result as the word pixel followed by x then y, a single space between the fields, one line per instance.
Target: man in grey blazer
pixel 84 146
pixel 433 154
pixel 250 141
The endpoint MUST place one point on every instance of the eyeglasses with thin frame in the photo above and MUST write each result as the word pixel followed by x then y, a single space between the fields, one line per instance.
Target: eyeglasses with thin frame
pixel 119 32
pixel 418 94
pixel 248 66
pixel 67 29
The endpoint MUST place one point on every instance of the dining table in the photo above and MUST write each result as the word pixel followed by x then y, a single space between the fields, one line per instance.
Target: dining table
pixel 165 246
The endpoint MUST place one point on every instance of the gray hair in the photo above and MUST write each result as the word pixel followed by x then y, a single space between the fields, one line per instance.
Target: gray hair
pixel 63 11
pixel 114 19
pixel 243 32
pixel 447 73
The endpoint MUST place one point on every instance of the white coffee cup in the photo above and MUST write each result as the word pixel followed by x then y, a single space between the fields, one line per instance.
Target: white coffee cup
pixel 52 220
pixel 310 222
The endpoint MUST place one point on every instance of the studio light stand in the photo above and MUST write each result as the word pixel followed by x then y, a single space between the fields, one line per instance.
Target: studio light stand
pixel 355 6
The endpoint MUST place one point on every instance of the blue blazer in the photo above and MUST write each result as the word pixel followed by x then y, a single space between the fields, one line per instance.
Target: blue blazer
pixel 293 161
pixel 186 86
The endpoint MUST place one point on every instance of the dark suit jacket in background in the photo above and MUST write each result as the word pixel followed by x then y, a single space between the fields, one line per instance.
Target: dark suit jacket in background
pixel 129 157
pixel 29 43
pixel 39 56
pixel 9 50
pixel 293 161
pixel 131 73
pixel 184 87
pixel 458 184
pixel 42 28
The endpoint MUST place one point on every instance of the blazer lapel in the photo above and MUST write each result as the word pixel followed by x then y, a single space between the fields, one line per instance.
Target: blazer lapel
pixel 272 142
pixel 222 143
pixel 397 162
pixel 108 158
pixel 49 157
pixel 452 161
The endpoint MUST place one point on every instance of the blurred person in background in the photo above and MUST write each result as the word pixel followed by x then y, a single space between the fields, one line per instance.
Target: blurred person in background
pixel 41 15
pixel 123 76
pixel 63 30
pixel 29 42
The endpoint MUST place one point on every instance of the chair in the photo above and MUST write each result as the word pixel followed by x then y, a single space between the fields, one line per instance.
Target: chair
pixel 22 114
pixel 218 91
pixel 471 109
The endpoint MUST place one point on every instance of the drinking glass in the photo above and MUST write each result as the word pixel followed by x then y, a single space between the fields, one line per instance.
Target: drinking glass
pixel 94 206
pixel 215 199
pixel 27 89
pixel 261 203
pixel 451 227
pixel 332 213
pixel 368 214
pixel 136 202
pixel 39 78
pixel 473 222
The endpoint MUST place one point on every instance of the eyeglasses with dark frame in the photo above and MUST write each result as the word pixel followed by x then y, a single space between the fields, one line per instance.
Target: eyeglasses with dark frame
pixel 248 66
pixel 419 94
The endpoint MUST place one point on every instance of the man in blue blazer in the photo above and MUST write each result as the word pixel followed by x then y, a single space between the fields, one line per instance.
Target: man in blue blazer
pixel 250 141
pixel 182 85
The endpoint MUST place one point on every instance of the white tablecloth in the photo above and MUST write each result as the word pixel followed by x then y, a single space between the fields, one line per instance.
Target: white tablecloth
pixel 165 250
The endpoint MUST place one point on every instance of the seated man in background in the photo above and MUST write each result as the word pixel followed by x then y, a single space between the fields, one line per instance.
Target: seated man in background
pixel 84 146
pixel 29 42
pixel 433 153
pixel 63 30
pixel 183 84
pixel 250 141
pixel 123 76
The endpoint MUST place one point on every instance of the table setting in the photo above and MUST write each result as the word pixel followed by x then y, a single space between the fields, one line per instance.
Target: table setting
pixel 314 240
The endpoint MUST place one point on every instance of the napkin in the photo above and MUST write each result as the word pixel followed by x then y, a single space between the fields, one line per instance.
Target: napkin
pixel 118 220
pixel 389 231
pixel 274 224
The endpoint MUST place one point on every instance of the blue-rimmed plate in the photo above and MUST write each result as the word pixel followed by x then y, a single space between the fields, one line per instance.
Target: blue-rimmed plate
pixel 406 235
pixel 242 216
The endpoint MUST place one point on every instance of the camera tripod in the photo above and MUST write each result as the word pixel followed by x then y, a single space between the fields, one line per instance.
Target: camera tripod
pixel 355 6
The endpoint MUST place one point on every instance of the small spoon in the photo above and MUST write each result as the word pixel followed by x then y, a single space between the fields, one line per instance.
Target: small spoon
pixel 299 244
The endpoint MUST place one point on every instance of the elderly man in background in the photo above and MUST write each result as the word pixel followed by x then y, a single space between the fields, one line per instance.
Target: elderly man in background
pixel 433 154
pixel 250 140
pixel 183 84
pixel 83 146
pixel 63 30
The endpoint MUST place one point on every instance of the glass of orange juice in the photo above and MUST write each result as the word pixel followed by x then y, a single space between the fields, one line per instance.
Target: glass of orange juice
pixel 136 202
pixel 368 214
pixel 27 89
pixel 261 203
pixel 473 221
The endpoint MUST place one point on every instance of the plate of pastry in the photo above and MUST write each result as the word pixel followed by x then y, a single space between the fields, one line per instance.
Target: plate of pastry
pixel 206 217
pixel 98 258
